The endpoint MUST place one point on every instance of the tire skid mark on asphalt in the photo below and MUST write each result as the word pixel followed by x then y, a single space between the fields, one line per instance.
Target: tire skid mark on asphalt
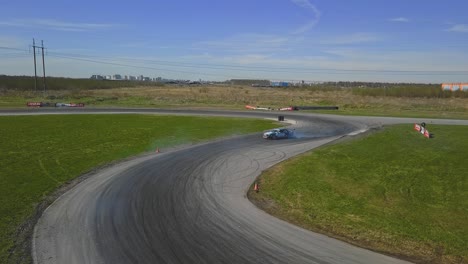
pixel 189 206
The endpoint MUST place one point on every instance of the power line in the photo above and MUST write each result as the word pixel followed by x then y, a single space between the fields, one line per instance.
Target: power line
pixel 10 54
pixel 14 55
pixel 10 48
pixel 262 68
pixel 259 68
pixel 135 66
pixel 117 61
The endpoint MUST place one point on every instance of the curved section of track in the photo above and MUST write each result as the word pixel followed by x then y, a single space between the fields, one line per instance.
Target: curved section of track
pixel 190 205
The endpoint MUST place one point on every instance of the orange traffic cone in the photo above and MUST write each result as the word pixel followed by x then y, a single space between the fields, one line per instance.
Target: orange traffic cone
pixel 256 189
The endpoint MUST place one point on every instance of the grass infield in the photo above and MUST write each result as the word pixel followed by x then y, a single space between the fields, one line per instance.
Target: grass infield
pixel 40 153
pixel 351 101
pixel 393 191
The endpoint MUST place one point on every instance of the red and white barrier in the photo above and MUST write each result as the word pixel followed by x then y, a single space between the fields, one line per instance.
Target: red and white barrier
pixel 287 108
pixel 34 104
pixel 257 107
pixel 421 129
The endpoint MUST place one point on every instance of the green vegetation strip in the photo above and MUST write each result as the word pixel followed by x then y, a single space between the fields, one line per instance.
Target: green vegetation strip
pixel 40 153
pixel 393 191
pixel 395 112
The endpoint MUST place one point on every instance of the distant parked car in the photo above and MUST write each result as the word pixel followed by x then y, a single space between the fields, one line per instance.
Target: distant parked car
pixel 278 133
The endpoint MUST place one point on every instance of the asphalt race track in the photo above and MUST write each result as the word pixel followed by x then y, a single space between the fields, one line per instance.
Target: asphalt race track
pixel 189 205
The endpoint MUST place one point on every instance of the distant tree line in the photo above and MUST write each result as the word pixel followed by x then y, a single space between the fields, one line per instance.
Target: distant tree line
pixel 393 89
pixel 409 90
pixel 26 83
pixel 344 84
pixel 249 82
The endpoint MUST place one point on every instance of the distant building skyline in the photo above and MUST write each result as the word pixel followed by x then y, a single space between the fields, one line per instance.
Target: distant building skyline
pixel 119 77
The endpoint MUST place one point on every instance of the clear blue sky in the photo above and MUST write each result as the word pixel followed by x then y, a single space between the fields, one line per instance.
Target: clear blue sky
pixel 313 40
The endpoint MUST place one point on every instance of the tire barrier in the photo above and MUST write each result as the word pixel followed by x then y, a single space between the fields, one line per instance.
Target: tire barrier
pixel 49 104
pixel 317 107
pixel 293 108
pixel 69 105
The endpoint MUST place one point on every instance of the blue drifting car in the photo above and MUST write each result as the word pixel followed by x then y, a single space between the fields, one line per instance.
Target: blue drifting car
pixel 278 133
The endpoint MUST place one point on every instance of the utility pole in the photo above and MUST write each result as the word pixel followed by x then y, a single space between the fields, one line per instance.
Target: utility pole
pixel 43 65
pixel 35 70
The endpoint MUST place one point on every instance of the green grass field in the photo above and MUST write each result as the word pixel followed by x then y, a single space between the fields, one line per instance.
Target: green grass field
pixel 393 191
pixel 400 100
pixel 40 153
